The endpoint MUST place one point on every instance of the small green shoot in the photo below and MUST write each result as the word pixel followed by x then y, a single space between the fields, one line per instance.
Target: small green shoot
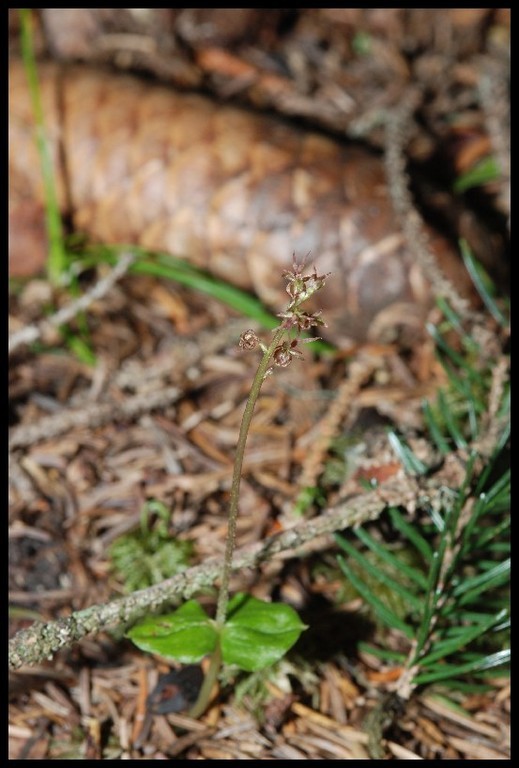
pixel 58 261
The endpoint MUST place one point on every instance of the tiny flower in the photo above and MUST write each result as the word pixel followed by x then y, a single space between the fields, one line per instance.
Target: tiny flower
pixel 248 339
pixel 311 284
pixel 294 278
pixel 307 320
pixel 300 287
pixel 283 354
pixel 303 321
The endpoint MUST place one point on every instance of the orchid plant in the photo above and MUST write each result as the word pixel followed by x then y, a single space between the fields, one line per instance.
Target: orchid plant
pixel 246 632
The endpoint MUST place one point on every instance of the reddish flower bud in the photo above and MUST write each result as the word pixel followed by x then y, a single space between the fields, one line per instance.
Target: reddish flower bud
pixel 282 357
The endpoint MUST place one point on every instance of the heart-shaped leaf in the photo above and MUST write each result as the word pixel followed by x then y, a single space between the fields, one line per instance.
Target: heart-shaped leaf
pixel 256 633
pixel 186 635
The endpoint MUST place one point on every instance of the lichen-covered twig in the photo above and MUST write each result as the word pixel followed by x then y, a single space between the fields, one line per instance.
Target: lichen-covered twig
pixel 41 641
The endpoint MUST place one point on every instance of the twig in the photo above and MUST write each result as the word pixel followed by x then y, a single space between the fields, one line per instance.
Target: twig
pixel 398 123
pixel 495 99
pixel 360 371
pixel 147 379
pixel 31 333
pixel 41 641
pixel 92 416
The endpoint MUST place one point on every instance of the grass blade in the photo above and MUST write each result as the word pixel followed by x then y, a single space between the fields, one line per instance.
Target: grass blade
pixel 441 442
pixel 57 261
pixel 450 421
pixel 382 653
pixel 499 448
pixel 484 171
pixel 380 575
pixel 475 586
pixel 180 271
pixel 432 596
pixel 458 360
pixel 243 303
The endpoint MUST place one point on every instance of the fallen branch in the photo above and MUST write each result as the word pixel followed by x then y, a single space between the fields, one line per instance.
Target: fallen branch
pixel 398 125
pixel 41 641
pixel 92 416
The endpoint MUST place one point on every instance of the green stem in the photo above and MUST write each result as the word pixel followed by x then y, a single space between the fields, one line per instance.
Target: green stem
pixel 204 696
pixel 223 596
